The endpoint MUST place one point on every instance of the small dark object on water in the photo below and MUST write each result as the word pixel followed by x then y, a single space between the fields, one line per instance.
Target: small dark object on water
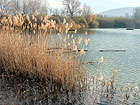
pixel 77 50
pixel 72 30
pixel 90 62
pixel 80 50
pixel 112 50
pixel 130 29
pixel 52 49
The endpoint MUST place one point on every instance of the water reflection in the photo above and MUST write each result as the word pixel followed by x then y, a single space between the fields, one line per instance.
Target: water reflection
pixel 126 60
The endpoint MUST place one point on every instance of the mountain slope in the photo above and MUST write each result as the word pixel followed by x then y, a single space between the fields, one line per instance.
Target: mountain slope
pixel 118 12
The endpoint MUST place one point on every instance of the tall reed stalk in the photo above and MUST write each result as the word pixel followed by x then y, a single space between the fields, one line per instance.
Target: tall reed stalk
pixel 26 48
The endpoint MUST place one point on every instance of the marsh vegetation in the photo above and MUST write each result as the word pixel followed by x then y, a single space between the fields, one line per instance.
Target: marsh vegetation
pixel 43 62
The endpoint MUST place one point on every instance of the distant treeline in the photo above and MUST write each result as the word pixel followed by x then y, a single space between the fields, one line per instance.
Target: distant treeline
pixel 120 22
pixel 81 16
pixel 115 22
pixel 78 22
pixel 94 21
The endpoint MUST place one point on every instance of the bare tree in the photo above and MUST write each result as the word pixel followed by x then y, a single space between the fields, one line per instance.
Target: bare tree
pixel 136 17
pixel 14 7
pixel 34 5
pixel 72 7
pixel 56 11
pixel 4 5
pixel 50 11
pixel 136 13
pixel 44 7
pixel 30 6
pixel 25 6
pixel 86 11
pixel 1 3
pixel 63 12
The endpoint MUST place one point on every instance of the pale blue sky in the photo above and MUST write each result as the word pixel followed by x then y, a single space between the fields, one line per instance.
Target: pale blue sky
pixel 100 5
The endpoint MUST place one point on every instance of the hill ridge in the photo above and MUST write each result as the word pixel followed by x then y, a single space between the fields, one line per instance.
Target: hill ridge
pixel 118 11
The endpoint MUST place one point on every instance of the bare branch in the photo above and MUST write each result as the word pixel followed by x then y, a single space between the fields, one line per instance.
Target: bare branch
pixel 72 7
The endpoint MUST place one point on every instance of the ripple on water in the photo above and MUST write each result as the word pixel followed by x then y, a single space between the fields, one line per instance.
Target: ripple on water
pixel 126 63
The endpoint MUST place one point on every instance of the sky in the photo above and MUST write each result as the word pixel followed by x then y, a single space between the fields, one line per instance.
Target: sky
pixel 100 5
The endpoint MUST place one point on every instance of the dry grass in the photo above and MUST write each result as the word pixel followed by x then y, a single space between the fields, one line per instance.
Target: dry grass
pixel 27 47
pixel 35 55
pixel 31 55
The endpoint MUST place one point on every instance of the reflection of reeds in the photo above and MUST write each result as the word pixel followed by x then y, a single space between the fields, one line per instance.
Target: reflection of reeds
pixel 100 90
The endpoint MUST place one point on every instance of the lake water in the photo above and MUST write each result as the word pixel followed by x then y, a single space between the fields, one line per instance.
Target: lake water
pixel 126 62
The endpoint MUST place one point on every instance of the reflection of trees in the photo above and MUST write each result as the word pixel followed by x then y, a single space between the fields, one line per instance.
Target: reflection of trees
pixel 89 31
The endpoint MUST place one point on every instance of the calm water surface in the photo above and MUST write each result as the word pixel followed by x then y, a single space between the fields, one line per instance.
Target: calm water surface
pixel 127 63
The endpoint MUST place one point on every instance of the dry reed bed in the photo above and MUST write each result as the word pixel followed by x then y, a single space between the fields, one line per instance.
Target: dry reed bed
pixel 48 59
pixel 26 49
pixel 25 54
